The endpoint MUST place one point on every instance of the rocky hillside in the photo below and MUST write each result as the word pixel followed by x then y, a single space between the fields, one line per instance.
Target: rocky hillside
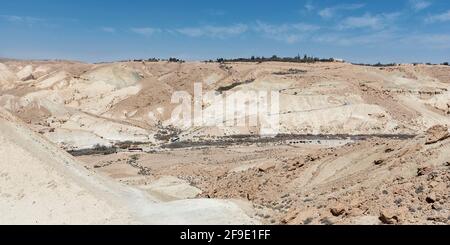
pixel 81 105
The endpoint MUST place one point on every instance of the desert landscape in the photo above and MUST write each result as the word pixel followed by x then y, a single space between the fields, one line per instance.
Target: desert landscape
pixel 95 143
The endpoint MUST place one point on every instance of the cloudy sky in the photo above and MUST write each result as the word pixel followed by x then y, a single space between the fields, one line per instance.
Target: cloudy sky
pixel 102 30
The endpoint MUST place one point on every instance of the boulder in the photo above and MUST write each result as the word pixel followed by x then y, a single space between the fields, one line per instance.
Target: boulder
pixel 266 166
pixel 378 162
pixel 337 211
pixel 436 133
pixel 387 217
pixel 424 171
pixel 27 78
pixel 431 198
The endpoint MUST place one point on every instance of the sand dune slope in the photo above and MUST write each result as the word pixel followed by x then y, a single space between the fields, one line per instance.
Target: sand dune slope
pixel 41 184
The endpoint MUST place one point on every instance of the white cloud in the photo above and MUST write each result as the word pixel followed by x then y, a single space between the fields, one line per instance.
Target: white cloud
pixel 326 13
pixel 372 38
pixel 419 5
pixel 109 29
pixel 289 33
pixel 145 31
pixel 215 12
pixel 368 20
pixel 283 28
pixel 309 7
pixel 21 19
pixel 389 37
pixel 214 31
pixel 431 41
pixel 331 11
pixel 439 17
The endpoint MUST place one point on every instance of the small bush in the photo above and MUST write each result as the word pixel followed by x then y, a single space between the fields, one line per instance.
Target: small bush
pixel 134 157
pixel 96 150
pixel 233 85
pixel 167 133
pixel 175 60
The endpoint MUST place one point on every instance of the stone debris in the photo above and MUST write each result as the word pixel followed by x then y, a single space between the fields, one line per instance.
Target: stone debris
pixel 436 133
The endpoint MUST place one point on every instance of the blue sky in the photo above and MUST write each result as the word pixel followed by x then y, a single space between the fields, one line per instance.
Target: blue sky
pixel 104 30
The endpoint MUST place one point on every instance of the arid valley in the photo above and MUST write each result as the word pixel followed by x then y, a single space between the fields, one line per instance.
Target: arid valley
pixel 95 143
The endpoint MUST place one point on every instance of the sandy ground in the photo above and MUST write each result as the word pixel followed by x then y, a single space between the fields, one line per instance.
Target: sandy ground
pixel 370 182
pixel 41 184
